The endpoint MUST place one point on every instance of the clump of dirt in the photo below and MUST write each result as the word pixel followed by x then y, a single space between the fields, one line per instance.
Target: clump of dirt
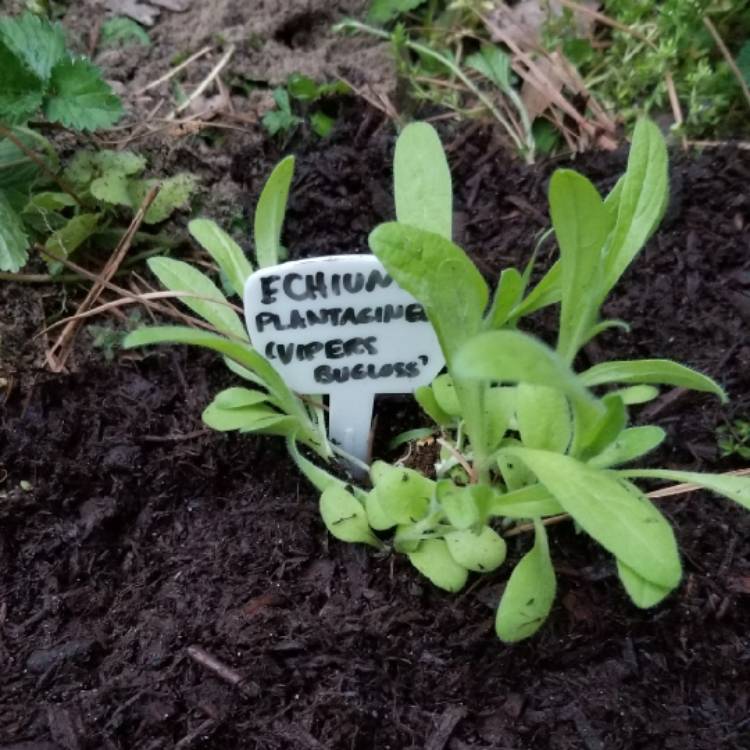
pixel 165 586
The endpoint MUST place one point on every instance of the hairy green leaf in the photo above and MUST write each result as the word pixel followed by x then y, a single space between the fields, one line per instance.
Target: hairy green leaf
pixel 643 593
pixel 650 371
pixel 581 226
pixel 458 503
pixel 480 551
pixel 637 394
pixel 422 181
pixel 382 11
pixel 508 295
pixel 238 398
pixel 613 512
pixel 224 250
pixel 425 397
pixel 345 518
pixel 208 302
pixel 112 187
pixel 529 593
pixel 532 501
pixel 269 213
pixel 404 494
pixel 14 243
pixel 246 418
pixel 79 98
pixel 547 292
pixel 641 200
pixel 434 561
pixel 439 274
pixel 174 193
pixel 544 418
pixel 629 445
pixel 17 169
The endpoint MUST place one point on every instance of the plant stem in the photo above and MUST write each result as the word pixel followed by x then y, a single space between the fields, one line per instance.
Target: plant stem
pixel 526 149
pixel 19 144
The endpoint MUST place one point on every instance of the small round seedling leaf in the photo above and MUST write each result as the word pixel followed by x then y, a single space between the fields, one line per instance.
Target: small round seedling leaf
pixel 404 494
pixel 376 516
pixel 458 503
pixel 481 551
pixel 433 560
pixel 445 395
pixel 529 594
pixel 345 518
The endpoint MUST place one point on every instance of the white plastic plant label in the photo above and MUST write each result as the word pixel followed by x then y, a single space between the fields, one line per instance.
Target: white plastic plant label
pixel 339 325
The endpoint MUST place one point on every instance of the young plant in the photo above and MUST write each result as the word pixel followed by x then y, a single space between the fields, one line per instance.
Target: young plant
pixel 268 407
pixel 525 435
pixel 39 73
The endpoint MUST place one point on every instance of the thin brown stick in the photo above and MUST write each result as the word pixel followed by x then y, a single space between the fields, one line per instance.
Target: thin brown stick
pixel 60 181
pixel 468 468
pixel 226 673
pixel 606 20
pixel 174 71
pixel 205 83
pixel 728 57
pixel 64 343
pixel 677 489
pixel 674 102
pixel 742 145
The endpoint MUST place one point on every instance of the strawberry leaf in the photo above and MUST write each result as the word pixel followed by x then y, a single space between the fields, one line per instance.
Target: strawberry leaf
pixel 35 42
pixel 20 90
pixel 79 98
pixel 14 243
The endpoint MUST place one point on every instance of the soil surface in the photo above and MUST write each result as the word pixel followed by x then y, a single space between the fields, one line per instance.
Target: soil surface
pixel 166 587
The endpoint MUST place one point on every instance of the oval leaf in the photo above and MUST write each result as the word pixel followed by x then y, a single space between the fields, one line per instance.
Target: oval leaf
pixel 643 593
pixel 481 551
pixel 529 594
pixel 270 211
pixel 433 560
pixel 344 517
pixel 228 255
pixel 422 180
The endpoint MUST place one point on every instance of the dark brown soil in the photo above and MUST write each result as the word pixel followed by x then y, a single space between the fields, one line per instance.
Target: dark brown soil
pixel 140 534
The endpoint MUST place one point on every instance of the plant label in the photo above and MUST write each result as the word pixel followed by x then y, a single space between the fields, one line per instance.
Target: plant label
pixel 339 325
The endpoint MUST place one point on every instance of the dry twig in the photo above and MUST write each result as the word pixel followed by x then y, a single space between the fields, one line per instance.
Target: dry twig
pixel 727 56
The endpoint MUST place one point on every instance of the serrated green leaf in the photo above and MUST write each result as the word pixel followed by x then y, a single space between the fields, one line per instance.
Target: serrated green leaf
pixel 615 513
pixel 14 243
pixel 112 187
pixel 529 593
pixel 433 560
pixel 21 92
pixel 270 211
pixel 121 29
pixel 321 123
pixel 481 551
pixel 224 250
pixel 174 193
pixel 17 170
pixel 643 593
pixel 65 241
pixel 39 44
pixel 345 518
pixel 125 162
pixel 209 302
pixel 735 488
pixel 492 63
pixel 382 11
pixel 422 181
pixel 650 371
pixel 79 98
